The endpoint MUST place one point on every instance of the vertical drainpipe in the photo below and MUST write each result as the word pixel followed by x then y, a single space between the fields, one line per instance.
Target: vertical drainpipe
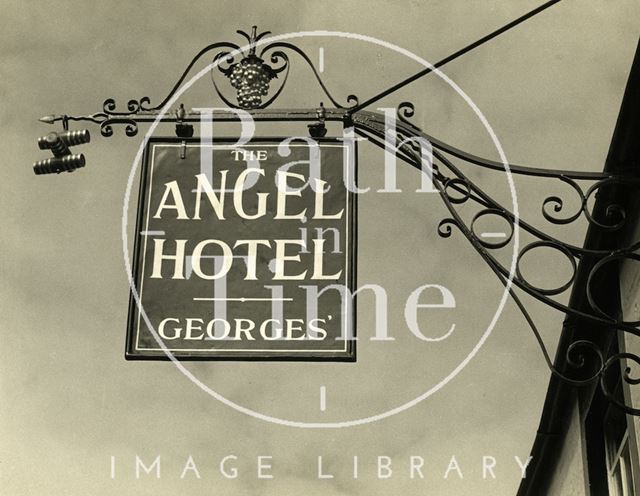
pixel 623 158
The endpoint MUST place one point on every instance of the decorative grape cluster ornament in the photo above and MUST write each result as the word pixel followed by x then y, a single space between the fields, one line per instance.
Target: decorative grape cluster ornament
pixel 251 76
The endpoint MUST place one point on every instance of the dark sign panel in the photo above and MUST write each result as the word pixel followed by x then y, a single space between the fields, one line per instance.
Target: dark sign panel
pixel 245 252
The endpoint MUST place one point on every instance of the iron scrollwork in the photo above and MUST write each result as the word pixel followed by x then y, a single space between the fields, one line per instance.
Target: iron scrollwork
pixel 614 214
pixel 583 357
pixel 252 73
pixel 251 76
pixel 246 71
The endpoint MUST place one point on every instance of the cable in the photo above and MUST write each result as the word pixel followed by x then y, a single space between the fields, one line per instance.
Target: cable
pixel 454 56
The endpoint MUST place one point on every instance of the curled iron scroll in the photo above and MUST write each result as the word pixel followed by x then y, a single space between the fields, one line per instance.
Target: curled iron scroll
pixel 144 104
pixel 557 204
pixel 614 212
pixel 626 377
pixel 553 205
pixel 405 111
pixel 106 127
pixel 133 106
pixel 614 257
pixel 576 359
pixel 352 100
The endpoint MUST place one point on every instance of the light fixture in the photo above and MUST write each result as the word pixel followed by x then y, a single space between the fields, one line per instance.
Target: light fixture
pixel 62 160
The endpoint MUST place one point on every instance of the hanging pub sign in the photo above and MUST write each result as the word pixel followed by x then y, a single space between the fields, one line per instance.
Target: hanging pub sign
pixel 244 251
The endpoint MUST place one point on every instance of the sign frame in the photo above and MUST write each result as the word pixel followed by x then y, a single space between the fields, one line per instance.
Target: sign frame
pixel 348 355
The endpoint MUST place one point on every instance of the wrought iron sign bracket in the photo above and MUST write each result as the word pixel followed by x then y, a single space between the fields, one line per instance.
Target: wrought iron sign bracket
pixel 252 73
